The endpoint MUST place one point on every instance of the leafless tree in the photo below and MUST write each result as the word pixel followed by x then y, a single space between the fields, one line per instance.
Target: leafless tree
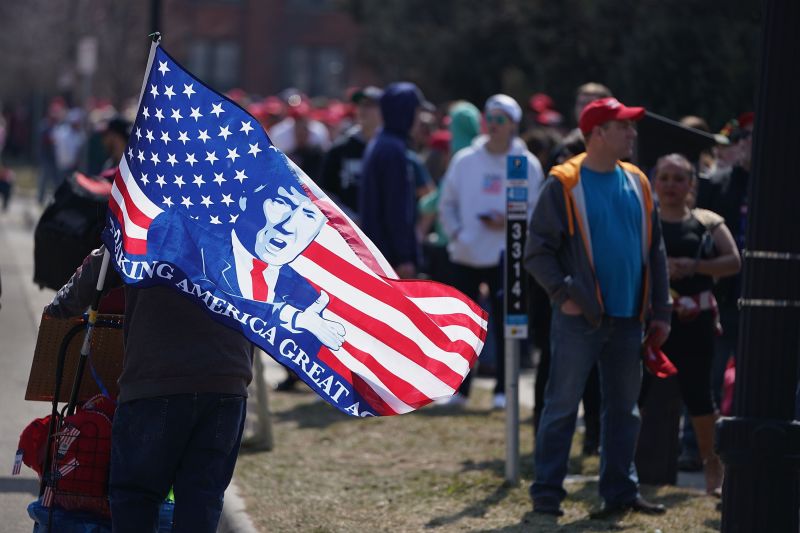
pixel 39 41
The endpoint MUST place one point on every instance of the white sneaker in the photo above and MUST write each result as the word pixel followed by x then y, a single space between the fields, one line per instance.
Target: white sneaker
pixel 456 400
pixel 499 401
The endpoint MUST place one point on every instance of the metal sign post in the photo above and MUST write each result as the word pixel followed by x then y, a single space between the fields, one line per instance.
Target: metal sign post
pixel 515 304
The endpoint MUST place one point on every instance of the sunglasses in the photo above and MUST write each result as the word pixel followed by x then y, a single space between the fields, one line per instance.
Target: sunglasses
pixel 496 119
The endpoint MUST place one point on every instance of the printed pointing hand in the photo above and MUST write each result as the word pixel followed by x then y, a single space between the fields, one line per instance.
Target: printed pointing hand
pixel 329 333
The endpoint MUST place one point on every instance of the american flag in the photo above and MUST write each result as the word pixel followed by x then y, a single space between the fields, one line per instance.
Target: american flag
pixel 17 463
pixel 65 440
pixel 63 470
pixel 204 203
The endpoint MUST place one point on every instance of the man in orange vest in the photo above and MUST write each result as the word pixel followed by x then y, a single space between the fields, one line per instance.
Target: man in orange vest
pixel 595 246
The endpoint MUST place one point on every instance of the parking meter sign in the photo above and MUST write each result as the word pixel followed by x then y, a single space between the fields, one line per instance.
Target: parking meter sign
pixel 515 279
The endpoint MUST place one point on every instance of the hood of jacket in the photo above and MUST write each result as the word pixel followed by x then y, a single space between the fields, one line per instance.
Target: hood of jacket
pixel 398 104
pixel 465 125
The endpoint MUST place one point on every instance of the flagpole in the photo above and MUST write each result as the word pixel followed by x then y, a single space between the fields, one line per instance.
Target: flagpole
pixel 101 279
pixel 156 41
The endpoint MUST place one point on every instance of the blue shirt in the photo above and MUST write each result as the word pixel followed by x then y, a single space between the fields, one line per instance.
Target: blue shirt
pixel 615 222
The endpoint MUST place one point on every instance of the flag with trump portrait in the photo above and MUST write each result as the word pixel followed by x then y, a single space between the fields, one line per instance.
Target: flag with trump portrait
pixel 202 202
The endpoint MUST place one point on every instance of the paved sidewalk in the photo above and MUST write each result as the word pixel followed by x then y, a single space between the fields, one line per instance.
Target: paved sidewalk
pixel 22 303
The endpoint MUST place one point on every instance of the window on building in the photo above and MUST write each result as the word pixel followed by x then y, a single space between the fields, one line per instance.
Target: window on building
pixel 298 68
pixel 216 62
pixel 315 70
pixel 330 71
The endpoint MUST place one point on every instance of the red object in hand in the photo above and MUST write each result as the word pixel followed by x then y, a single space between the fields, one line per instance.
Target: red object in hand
pixel 729 380
pixel 656 362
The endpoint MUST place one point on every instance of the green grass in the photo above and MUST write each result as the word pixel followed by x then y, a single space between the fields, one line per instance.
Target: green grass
pixel 438 469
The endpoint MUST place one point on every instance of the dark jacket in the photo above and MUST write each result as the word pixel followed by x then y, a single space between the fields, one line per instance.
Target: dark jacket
pixel 558 252
pixel 172 346
pixel 387 203
pixel 341 169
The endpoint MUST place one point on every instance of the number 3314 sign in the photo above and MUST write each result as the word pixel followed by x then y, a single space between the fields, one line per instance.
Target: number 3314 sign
pixel 515 278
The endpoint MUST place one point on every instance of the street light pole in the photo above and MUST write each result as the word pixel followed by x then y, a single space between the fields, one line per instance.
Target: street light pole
pixel 760 444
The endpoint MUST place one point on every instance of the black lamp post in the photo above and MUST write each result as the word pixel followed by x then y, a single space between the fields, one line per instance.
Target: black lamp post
pixel 760 444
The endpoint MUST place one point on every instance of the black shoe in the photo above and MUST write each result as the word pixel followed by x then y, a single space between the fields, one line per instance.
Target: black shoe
pixel 639 505
pixel 552 510
pixel 590 449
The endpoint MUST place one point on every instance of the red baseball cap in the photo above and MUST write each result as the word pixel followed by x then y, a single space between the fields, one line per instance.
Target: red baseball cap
pixel 541 102
pixel 440 140
pixel 603 110
pixel 746 118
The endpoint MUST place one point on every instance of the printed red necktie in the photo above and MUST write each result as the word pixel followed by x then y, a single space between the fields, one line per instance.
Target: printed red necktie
pixel 260 288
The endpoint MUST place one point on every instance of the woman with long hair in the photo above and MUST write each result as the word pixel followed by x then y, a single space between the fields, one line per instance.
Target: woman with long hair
pixel 700 249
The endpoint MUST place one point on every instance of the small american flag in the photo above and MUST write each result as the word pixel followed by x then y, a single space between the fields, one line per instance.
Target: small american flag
pixel 204 203
pixel 47 497
pixel 65 439
pixel 17 463
pixel 63 470
pixel 67 467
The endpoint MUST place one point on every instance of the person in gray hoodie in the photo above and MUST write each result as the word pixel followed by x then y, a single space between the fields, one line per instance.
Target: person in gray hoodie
pixel 595 246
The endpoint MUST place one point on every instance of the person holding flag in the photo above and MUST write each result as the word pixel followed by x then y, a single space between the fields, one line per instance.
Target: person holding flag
pixel 221 241
pixel 181 407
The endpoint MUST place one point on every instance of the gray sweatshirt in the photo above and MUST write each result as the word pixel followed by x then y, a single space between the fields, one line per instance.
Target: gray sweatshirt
pixel 171 344
pixel 475 184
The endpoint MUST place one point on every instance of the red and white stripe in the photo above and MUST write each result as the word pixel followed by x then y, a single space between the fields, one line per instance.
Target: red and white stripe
pixel 133 209
pixel 66 438
pixel 47 497
pixel 68 467
pixel 63 470
pixel 17 463
pixel 407 343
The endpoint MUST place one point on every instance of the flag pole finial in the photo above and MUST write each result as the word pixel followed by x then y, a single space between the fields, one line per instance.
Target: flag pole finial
pixel 155 36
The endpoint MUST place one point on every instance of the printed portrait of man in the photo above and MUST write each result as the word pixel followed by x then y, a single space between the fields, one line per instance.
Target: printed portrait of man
pixel 292 222
pixel 260 269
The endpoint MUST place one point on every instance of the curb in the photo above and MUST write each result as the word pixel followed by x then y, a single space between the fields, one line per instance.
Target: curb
pixel 234 517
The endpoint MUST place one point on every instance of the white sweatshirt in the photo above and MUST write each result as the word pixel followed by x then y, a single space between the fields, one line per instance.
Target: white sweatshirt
pixel 282 135
pixel 475 183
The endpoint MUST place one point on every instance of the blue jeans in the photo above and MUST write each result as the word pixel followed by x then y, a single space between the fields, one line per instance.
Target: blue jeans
pixel 186 441
pixel 575 347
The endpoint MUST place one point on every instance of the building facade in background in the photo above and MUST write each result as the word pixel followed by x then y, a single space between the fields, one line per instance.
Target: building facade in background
pixel 265 46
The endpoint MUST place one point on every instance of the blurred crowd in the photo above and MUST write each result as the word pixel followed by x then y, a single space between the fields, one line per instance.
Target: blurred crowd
pixel 425 182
